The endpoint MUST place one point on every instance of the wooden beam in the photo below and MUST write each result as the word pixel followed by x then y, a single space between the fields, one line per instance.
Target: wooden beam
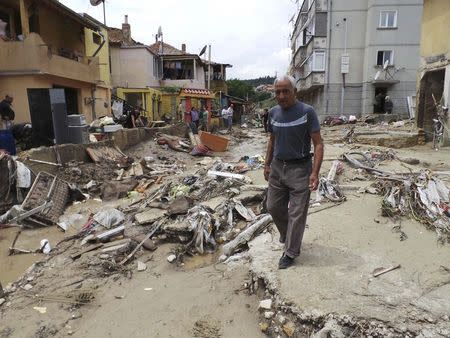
pixel 24 18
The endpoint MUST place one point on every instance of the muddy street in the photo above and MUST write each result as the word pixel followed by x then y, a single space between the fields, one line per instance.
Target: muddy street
pixel 180 283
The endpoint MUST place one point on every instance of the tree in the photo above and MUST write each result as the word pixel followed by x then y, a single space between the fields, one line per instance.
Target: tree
pixel 239 88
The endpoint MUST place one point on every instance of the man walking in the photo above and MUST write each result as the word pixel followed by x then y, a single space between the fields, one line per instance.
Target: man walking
pixel 289 168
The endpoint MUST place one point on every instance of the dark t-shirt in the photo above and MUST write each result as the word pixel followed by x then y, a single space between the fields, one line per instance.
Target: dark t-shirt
pixel 6 112
pixel 292 129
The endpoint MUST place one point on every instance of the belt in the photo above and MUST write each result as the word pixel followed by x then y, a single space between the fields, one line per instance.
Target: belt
pixel 295 160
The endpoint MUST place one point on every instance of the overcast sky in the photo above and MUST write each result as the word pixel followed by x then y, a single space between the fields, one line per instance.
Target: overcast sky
pixel 252 35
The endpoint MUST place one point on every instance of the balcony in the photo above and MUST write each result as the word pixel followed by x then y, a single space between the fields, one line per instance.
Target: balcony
pixel 33 56
pixel 313 80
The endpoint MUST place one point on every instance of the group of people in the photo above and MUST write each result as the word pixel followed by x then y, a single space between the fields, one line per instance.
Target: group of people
pixel 227 116
pixel 383 104
pixel 201 119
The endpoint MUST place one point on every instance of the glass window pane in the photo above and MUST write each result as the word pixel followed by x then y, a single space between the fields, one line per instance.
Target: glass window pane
pixel 391 19
pixel 383 19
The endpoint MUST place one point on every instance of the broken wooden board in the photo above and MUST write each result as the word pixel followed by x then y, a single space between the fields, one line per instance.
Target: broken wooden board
pixel 106 154
pixel 82 252
pixel 214 142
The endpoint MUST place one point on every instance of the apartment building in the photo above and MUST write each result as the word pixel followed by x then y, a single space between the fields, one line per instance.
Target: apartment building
pixel 346 52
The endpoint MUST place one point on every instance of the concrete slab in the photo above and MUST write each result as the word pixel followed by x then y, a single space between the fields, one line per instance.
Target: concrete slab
pixel 341 249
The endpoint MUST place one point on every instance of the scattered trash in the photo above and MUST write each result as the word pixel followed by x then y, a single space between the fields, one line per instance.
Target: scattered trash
pixel 265 304
pixel 40 309
pixel 171 258
pixel 380 271
pixel 45 246
pixel 141 266
pixel 109 218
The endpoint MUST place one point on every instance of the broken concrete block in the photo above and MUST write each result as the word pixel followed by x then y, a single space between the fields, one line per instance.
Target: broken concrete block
pixel 268 314
pixel 179 205
pixel 27 287
pixel 265 304
pixel 2 300
pixel 141 266
pixel 149 216
pixel 171 258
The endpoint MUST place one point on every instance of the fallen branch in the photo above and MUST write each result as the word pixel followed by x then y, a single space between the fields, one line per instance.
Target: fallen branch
pixel 245 236
pixel 383 271
pixel 150 234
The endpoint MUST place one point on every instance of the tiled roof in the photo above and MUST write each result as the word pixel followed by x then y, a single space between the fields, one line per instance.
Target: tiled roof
pixel 193 92
pixel 116 37
pixel 197 91
pixel 167 49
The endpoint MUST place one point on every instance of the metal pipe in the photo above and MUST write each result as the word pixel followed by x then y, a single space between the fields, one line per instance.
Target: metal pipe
pixel 209 67
pixel 343 75
pixel 330 9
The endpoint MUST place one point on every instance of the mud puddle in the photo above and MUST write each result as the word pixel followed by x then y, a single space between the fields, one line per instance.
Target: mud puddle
pixel 12 267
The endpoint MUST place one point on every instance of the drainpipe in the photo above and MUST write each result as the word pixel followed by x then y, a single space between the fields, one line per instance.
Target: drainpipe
pixel 101 45
pixel 93 90
pixel 330 6
pixel 343 74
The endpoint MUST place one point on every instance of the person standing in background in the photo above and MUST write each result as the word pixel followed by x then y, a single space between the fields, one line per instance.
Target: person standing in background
pixel 7 117
pixel 230 112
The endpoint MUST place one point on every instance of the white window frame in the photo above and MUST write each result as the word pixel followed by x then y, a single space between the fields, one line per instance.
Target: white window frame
pixel 391 59
pixel 314 64
pixel 311 63
pixel 385 24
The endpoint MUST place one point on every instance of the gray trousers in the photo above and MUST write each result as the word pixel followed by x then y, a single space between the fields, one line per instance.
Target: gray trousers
pixel 288 201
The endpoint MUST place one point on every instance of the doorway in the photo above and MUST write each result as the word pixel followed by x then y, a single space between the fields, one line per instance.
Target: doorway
pixel 380 95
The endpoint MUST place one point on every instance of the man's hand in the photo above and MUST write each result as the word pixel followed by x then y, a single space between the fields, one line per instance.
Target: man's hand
pixel 313 182
pixel 266 172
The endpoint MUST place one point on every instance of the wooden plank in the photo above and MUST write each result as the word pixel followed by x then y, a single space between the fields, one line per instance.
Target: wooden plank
pixel 214 142
pixel 90 248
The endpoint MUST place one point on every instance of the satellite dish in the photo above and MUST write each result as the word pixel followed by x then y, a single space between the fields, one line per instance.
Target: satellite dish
pixel 386 63
pixel 96 2
pixel 377 75
pixel 202 51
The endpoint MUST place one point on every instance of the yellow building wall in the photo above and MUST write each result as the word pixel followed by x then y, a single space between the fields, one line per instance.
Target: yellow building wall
pixel 17 87
pixel 59 31
pixel 103 54
pixel 147 98
pixel 435 28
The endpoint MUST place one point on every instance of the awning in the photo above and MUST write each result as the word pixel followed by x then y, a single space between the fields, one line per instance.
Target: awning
pixel 201 93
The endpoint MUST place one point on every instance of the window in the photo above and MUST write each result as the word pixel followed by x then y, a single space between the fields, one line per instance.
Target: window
pixel 385 55
pixel 315 63
pixel 96 38
pixel 319 62
pixel 388 19
pixel 299 41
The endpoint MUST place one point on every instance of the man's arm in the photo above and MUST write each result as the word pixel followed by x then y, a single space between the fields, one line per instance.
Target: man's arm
pixel 269 156
pixel 318 158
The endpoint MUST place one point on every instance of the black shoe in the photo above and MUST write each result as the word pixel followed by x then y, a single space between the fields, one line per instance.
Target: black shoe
pixel 282 240
pixel 285 262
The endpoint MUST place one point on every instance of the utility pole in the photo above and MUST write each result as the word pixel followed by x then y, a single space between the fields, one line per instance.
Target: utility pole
pixel 209 67
pixel 342 70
